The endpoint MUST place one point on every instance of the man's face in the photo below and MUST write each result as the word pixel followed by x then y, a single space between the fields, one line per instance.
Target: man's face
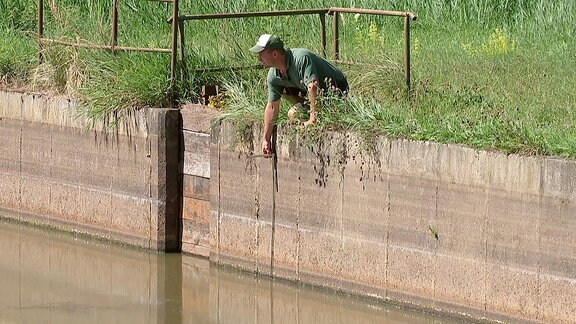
pixel 266 57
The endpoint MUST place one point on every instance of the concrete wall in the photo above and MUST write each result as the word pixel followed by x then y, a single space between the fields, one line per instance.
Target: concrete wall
pixel 121 185
pixel 441 226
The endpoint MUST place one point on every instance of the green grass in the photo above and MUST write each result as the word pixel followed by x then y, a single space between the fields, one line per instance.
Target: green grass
pixel 490 74
pixel 17 57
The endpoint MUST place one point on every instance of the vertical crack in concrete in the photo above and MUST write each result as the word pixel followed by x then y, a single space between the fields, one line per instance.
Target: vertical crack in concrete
pixel 20 156
pixel 149 153
pixel 485 231
pixel 50 166
pixel 435 263
pixel 256 211
pixel 342 168
pixel 388 208
pixel 298 204
pixel 434 222
pixel 218 198
pixel 538 233
pixel 20 202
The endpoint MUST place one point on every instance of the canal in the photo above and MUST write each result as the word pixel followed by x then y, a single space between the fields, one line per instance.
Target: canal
pixel 54 277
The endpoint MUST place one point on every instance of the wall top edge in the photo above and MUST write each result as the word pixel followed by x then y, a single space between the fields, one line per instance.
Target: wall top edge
pixel 63 111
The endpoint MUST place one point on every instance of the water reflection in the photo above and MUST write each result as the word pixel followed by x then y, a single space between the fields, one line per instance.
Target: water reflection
pixel 49 277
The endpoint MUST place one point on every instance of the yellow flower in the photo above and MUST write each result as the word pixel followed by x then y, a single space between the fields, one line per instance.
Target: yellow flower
pixel 498 43
pixel 416 45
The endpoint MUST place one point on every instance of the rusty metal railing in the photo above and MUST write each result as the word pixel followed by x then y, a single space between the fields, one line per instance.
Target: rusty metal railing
pixel 335 11
pixel 113 46
pixel 408 16
pixel 178 25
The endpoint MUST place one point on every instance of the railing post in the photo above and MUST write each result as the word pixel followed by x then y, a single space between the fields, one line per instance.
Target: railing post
pixel 184 67
pixel 181 30
pixel 323 33
pixel 174 46
pixel 40 31
pixel 114 37
pixel 336 36
pixel 407 50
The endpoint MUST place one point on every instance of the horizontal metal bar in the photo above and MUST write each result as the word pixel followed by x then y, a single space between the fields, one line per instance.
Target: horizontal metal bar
pixel 224 68
pixel 373 12
pixel 295 12
pixel 359 63
pixel 233 68
pixel 254 14
pixel 108 47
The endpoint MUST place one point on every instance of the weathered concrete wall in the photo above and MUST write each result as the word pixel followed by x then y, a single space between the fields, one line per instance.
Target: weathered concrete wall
pixel 196 179
pixel 118 185
pixel 441 226
pixel 438 225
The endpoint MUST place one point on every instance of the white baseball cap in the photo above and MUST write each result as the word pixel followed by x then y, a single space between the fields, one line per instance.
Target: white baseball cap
pixel 267 41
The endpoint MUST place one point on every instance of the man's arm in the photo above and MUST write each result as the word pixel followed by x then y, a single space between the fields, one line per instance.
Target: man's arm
pixel 312 93
pixel 270 116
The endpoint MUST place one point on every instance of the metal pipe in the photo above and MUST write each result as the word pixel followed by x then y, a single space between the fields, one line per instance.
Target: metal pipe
pixel 374 12
pixel 40 31
pixel 323 34
pixel 274 190
pixel 336 36
pixel 254 14
pixel 174 47
pixel 225 68
pixel 114 37
pixel 371 65
pixel 181 28
pixel 90 46
pixel 184 65
pixel 407 51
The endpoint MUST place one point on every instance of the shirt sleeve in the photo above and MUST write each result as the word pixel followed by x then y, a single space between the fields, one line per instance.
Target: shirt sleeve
pixel 274 89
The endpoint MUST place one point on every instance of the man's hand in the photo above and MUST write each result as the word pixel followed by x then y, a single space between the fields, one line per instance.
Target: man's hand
pixel 309 122
pixel 266 147
pixel 270 115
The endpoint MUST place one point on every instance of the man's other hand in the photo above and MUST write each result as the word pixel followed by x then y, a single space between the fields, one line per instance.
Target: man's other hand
pixel 266 147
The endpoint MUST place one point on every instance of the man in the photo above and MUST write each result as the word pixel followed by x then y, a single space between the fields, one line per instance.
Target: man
pixel 296 74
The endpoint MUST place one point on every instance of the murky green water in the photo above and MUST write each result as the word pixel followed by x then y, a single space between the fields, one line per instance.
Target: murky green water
pixel 50 277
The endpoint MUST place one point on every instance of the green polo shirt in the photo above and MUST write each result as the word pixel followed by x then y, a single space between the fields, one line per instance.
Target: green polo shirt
pixel 303 67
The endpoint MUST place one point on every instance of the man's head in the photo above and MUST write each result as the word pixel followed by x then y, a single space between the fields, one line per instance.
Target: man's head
pixel 270 51
pixel 267 41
